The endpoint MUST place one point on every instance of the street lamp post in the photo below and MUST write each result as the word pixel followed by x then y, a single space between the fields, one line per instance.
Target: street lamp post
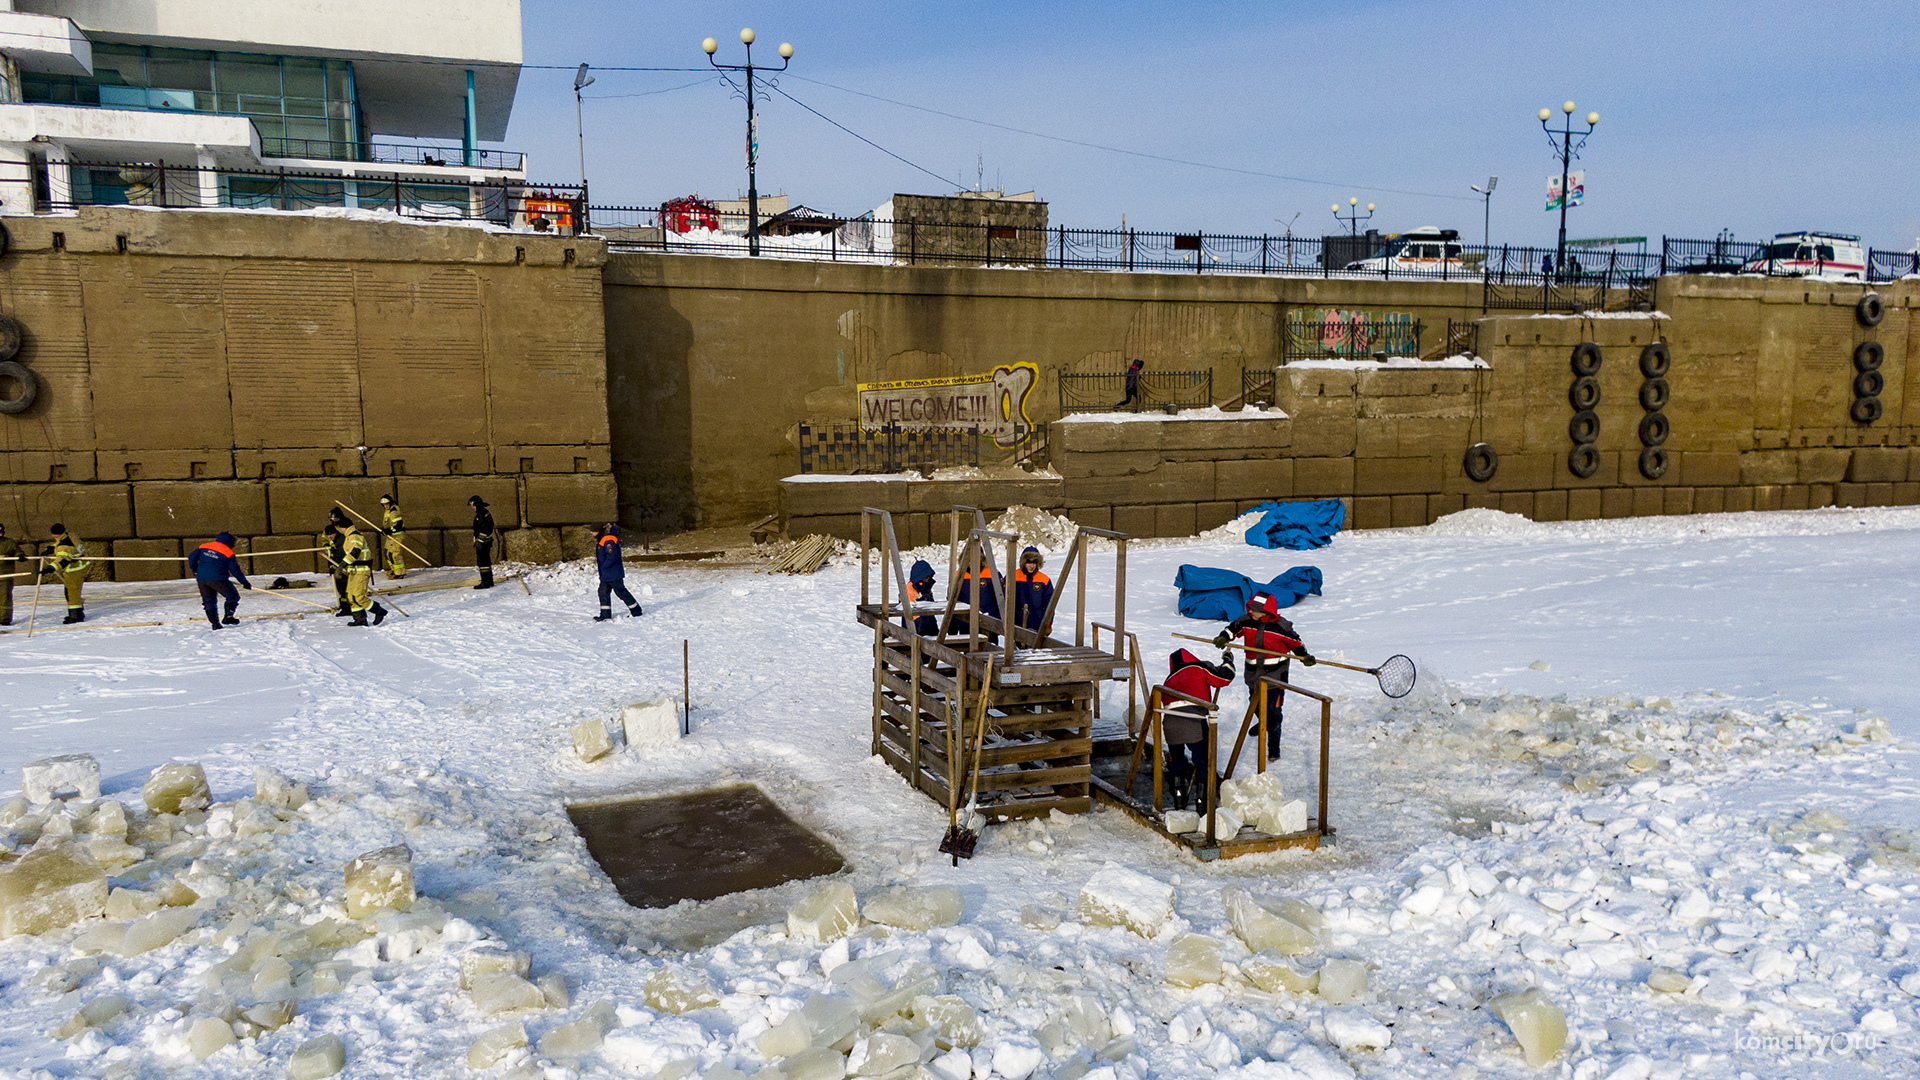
pixel 1353 219
pixel 581 80
pixel 1486 209
pixel 710 46
pixel 1562 141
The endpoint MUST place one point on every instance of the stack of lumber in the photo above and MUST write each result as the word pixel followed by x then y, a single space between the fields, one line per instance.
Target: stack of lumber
pixel 803 556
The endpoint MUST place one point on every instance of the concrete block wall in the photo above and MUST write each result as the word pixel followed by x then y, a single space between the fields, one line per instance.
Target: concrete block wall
pixel 201 372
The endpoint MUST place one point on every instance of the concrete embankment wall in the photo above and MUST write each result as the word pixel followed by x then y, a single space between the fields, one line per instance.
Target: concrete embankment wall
pixel 238 371
pixel 1761 387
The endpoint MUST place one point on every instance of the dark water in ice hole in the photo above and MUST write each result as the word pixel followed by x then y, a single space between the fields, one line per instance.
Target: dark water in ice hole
pixel 660 851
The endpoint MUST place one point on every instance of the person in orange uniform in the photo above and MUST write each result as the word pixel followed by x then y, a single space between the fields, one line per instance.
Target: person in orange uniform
pixel 212 564
pixel 1263 628
pixel 1032 592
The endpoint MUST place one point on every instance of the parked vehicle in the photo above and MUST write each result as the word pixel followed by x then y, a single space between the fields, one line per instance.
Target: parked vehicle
pixel 1426 251
pixel 1827 256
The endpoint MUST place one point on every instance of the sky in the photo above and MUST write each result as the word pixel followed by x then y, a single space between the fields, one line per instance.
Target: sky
pixel 1757 117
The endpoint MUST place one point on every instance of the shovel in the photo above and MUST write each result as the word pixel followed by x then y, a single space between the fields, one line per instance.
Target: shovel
pixel 960 841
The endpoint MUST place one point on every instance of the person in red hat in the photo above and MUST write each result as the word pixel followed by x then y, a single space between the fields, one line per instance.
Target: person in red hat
pixel 1263 628
pixel 1183 724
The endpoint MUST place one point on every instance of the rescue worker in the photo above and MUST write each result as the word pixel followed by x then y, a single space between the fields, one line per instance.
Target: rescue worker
pixel 1183 724
pixel 336 557
pixel 482 540
pixel 9 565
pixel 1032 592
pixel 357 558
pixel 613 573
pixel 70 563
pixel 212 564
pixel 988 604
pixel 393 530
pixel 1262 628
pixel 920 580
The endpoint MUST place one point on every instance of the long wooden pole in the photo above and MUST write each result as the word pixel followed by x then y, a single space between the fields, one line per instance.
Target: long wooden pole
pixel 686 692
pixel 40 571
pixel 371 525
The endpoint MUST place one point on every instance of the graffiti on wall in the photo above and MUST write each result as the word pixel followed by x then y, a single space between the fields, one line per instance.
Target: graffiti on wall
pixel 993 401
pixel 1317 333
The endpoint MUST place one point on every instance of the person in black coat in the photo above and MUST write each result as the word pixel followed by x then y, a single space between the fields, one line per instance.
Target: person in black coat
pixel 482 540
pixel 212 564
pixel 613 573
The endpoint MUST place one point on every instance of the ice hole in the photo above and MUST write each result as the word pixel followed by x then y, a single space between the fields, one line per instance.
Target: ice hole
pixel 660 851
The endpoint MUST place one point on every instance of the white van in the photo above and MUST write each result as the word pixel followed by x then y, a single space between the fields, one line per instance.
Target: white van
pixel 1827 256
pixel 1427 251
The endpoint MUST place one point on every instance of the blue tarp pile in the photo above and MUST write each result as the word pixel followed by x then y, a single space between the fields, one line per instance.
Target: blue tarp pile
pixel 1207 593
pixel 1297 526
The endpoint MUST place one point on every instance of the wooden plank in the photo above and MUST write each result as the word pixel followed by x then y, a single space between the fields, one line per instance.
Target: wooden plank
pixel 1033 778
pixel 1046 750
pixel 1073 804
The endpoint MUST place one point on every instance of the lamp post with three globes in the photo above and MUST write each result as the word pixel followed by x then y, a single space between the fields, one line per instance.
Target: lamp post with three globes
pixel 1562 141
pixel 710 46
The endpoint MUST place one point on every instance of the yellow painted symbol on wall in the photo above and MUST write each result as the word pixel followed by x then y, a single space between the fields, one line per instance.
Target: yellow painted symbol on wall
pixel 994 401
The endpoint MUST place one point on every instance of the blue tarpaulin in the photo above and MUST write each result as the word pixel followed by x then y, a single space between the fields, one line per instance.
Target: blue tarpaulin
pixel 1207 593
pixel 1297 526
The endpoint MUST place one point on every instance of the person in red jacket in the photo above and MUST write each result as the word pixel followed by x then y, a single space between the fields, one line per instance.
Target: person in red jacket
pixel 1183 724
pixel 1263 628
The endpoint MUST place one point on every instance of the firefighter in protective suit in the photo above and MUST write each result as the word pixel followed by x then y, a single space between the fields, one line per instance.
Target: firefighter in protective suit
pixel 69 561
pixel 358 560
pixel 336 558
pixel 393 531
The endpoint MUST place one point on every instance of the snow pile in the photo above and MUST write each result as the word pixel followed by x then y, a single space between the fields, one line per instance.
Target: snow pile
pixel 1484 522
pixel 1050 532
pixel 1148 416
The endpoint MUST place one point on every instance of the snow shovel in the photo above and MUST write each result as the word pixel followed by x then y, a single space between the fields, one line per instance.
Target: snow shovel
pixel 1395 675
pixel 961 840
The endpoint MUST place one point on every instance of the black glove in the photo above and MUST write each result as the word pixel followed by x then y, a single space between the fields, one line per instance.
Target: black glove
pixel 1307 659
pixel 1222 638
pixel 1226 657
pixel 247 585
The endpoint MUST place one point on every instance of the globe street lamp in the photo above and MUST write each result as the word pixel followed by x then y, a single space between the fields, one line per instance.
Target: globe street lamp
pixel 1562 142
pixel 710 46
pixel 1353 219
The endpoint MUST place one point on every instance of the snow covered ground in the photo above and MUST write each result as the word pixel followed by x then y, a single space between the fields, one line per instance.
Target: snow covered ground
pixel 1694 781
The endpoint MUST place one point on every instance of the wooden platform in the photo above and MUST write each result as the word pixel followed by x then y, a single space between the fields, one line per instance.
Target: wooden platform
pixel 1110 774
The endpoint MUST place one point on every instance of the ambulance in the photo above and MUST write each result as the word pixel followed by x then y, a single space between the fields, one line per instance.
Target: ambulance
pixel 1826 256
pixel 1426 251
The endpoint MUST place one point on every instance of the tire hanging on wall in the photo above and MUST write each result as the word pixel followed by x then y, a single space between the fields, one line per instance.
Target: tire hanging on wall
pixel 6 240
pixel 1583 460
pixel 1867 356
pixel 1653 462
pixel 1654 394
pixel 1868 384
pixel 1584 393
pixel 13 371
pixel 1655 360
pixel 1870 310
pixel 11 335
pixel 1586 359
pixel 1866 410
pixel 1654 429
pixel 1481 462
pixel 1584 427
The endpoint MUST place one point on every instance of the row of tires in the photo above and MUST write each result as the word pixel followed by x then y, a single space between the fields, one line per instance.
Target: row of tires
pixel 1656 360
pixel 15 379
pixel 1867 381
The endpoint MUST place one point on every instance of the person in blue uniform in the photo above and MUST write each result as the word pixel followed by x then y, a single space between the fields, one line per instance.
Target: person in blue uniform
pixel 213 564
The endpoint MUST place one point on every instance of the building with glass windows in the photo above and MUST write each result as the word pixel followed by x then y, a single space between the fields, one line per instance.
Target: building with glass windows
pixel 382 104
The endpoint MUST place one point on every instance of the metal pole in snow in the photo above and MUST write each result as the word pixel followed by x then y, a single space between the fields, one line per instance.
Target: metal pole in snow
pixel 686 694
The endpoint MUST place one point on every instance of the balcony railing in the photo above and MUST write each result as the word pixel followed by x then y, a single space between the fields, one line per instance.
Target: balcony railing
pixel 392 153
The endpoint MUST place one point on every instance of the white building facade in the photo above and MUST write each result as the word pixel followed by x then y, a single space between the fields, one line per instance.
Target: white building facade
pixel 264 104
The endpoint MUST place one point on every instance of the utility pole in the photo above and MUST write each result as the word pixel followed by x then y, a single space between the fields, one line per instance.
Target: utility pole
pixel 1486 215
pixel 1562 141
pixel 581 80
pixel 710 46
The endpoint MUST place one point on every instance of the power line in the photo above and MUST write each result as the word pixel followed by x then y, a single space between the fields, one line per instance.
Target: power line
pixel 650 93
pixel 856 134
pixel 1130 153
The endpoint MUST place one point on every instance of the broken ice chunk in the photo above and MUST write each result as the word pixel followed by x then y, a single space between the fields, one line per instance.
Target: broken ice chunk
pixel 42 780
pixel 494 1044
pixel 1181 822
pixel 157 930
pixel 1342 981
pixel 553 987
pixel 123 904
pixel 590 743
pixel 1193 959
pixel 1271 972
pixel 317 1058
pixel 1086 1016
pixel 380 879
pixel 1666 980
pixel 1537 1024
pixel 577 1039
pixel 1266 923
pixel 176 788
pixel 954 1021
pixel 651 723
pixel 912 908
pixel 1287 817
pixel 486 961
pixel 269 1016
pixel 50 887
pixel 1016 1058
pixel 1642 762
pixel 1117 896
pixel 108 819
pixel 1189 1027
pixel 1035 917
pixel 1352 1029
pixel 881 1053
pixel 99 1012
pixel 677 991
pixel 271 787
pixel 825 914
pixel 786 1038
pixel 208 1036
pixel 1226 824
pixel 500 991
pixel 831 1020
pixel 1823 820
pixel 818 1063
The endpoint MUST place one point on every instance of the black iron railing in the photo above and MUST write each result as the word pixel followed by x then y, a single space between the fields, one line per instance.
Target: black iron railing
pixel 1728 256
pixel 1331 333
pixel 557 208
pixel 1256 386
pixel 849 448
pixel 1085 392
pixel 391 153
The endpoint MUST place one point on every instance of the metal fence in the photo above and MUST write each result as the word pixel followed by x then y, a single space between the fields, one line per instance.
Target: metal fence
pixel 1725 255
pixel 1330 333
pixel 849 448
pixel 559 208
pixel 1257 386
pixel 1085 392
pixel 390 153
